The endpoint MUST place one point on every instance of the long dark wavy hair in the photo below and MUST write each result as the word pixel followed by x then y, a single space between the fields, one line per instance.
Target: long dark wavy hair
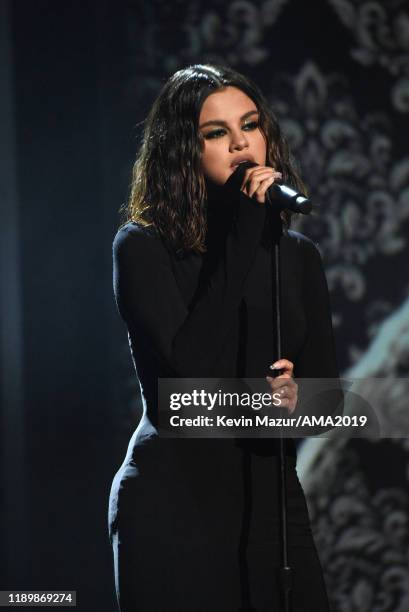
pixel 168 189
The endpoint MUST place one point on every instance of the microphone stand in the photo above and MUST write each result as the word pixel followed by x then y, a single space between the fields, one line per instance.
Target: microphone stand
pixel 279 197
pixel 285 199
pixel 285 572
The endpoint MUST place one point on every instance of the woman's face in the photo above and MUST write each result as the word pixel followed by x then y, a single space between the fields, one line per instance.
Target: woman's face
pixel 229 124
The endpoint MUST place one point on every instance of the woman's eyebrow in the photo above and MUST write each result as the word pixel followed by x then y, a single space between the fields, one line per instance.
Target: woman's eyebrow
pixel 221 122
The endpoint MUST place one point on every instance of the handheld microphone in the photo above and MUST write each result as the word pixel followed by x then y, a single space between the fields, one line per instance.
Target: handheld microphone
pixel 277 193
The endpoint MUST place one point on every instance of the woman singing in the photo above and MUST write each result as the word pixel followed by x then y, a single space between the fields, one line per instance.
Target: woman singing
pixel 194 523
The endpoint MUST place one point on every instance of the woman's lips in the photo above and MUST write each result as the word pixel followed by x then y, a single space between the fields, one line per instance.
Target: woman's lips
pixel 241 161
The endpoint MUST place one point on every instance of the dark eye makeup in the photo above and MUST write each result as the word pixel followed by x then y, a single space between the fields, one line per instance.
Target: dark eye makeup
pixel 219 132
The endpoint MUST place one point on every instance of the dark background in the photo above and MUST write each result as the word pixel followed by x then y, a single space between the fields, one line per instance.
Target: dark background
pixel 77 79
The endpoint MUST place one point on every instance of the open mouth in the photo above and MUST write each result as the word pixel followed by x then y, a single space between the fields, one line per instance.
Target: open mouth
pixel 242 161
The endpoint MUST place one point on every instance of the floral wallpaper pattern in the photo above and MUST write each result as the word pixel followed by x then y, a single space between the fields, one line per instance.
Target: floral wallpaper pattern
pixel 336 72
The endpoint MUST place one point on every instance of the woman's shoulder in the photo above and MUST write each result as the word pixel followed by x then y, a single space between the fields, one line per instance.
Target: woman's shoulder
pixel 136 231
pixel 136 239
pixel 135 234
pixel 300 242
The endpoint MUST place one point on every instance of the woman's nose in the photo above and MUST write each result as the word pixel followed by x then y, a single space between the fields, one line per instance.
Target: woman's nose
pixel 238 141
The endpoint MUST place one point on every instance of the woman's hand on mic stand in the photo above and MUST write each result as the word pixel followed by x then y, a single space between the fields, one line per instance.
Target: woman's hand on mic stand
pixel 284 384
pixel 257 180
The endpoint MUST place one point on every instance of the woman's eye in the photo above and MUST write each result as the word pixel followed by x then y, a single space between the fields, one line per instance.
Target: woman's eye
pixel 252 125
pixel 248 127
pixel 215 134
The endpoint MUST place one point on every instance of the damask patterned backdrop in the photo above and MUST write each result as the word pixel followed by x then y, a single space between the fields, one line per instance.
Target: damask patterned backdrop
pixel 337 75
pixel 82 77
pixel 344 104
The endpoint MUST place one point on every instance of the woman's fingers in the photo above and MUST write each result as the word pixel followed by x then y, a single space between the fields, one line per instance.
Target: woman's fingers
pixel 258 184
pixel 287 392
pixel 283 364
pixel 257 180
pixel 285 385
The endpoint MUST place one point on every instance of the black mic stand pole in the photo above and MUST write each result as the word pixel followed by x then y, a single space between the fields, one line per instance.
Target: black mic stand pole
pixel 297 203
pixel 285 572
pixel 279 197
